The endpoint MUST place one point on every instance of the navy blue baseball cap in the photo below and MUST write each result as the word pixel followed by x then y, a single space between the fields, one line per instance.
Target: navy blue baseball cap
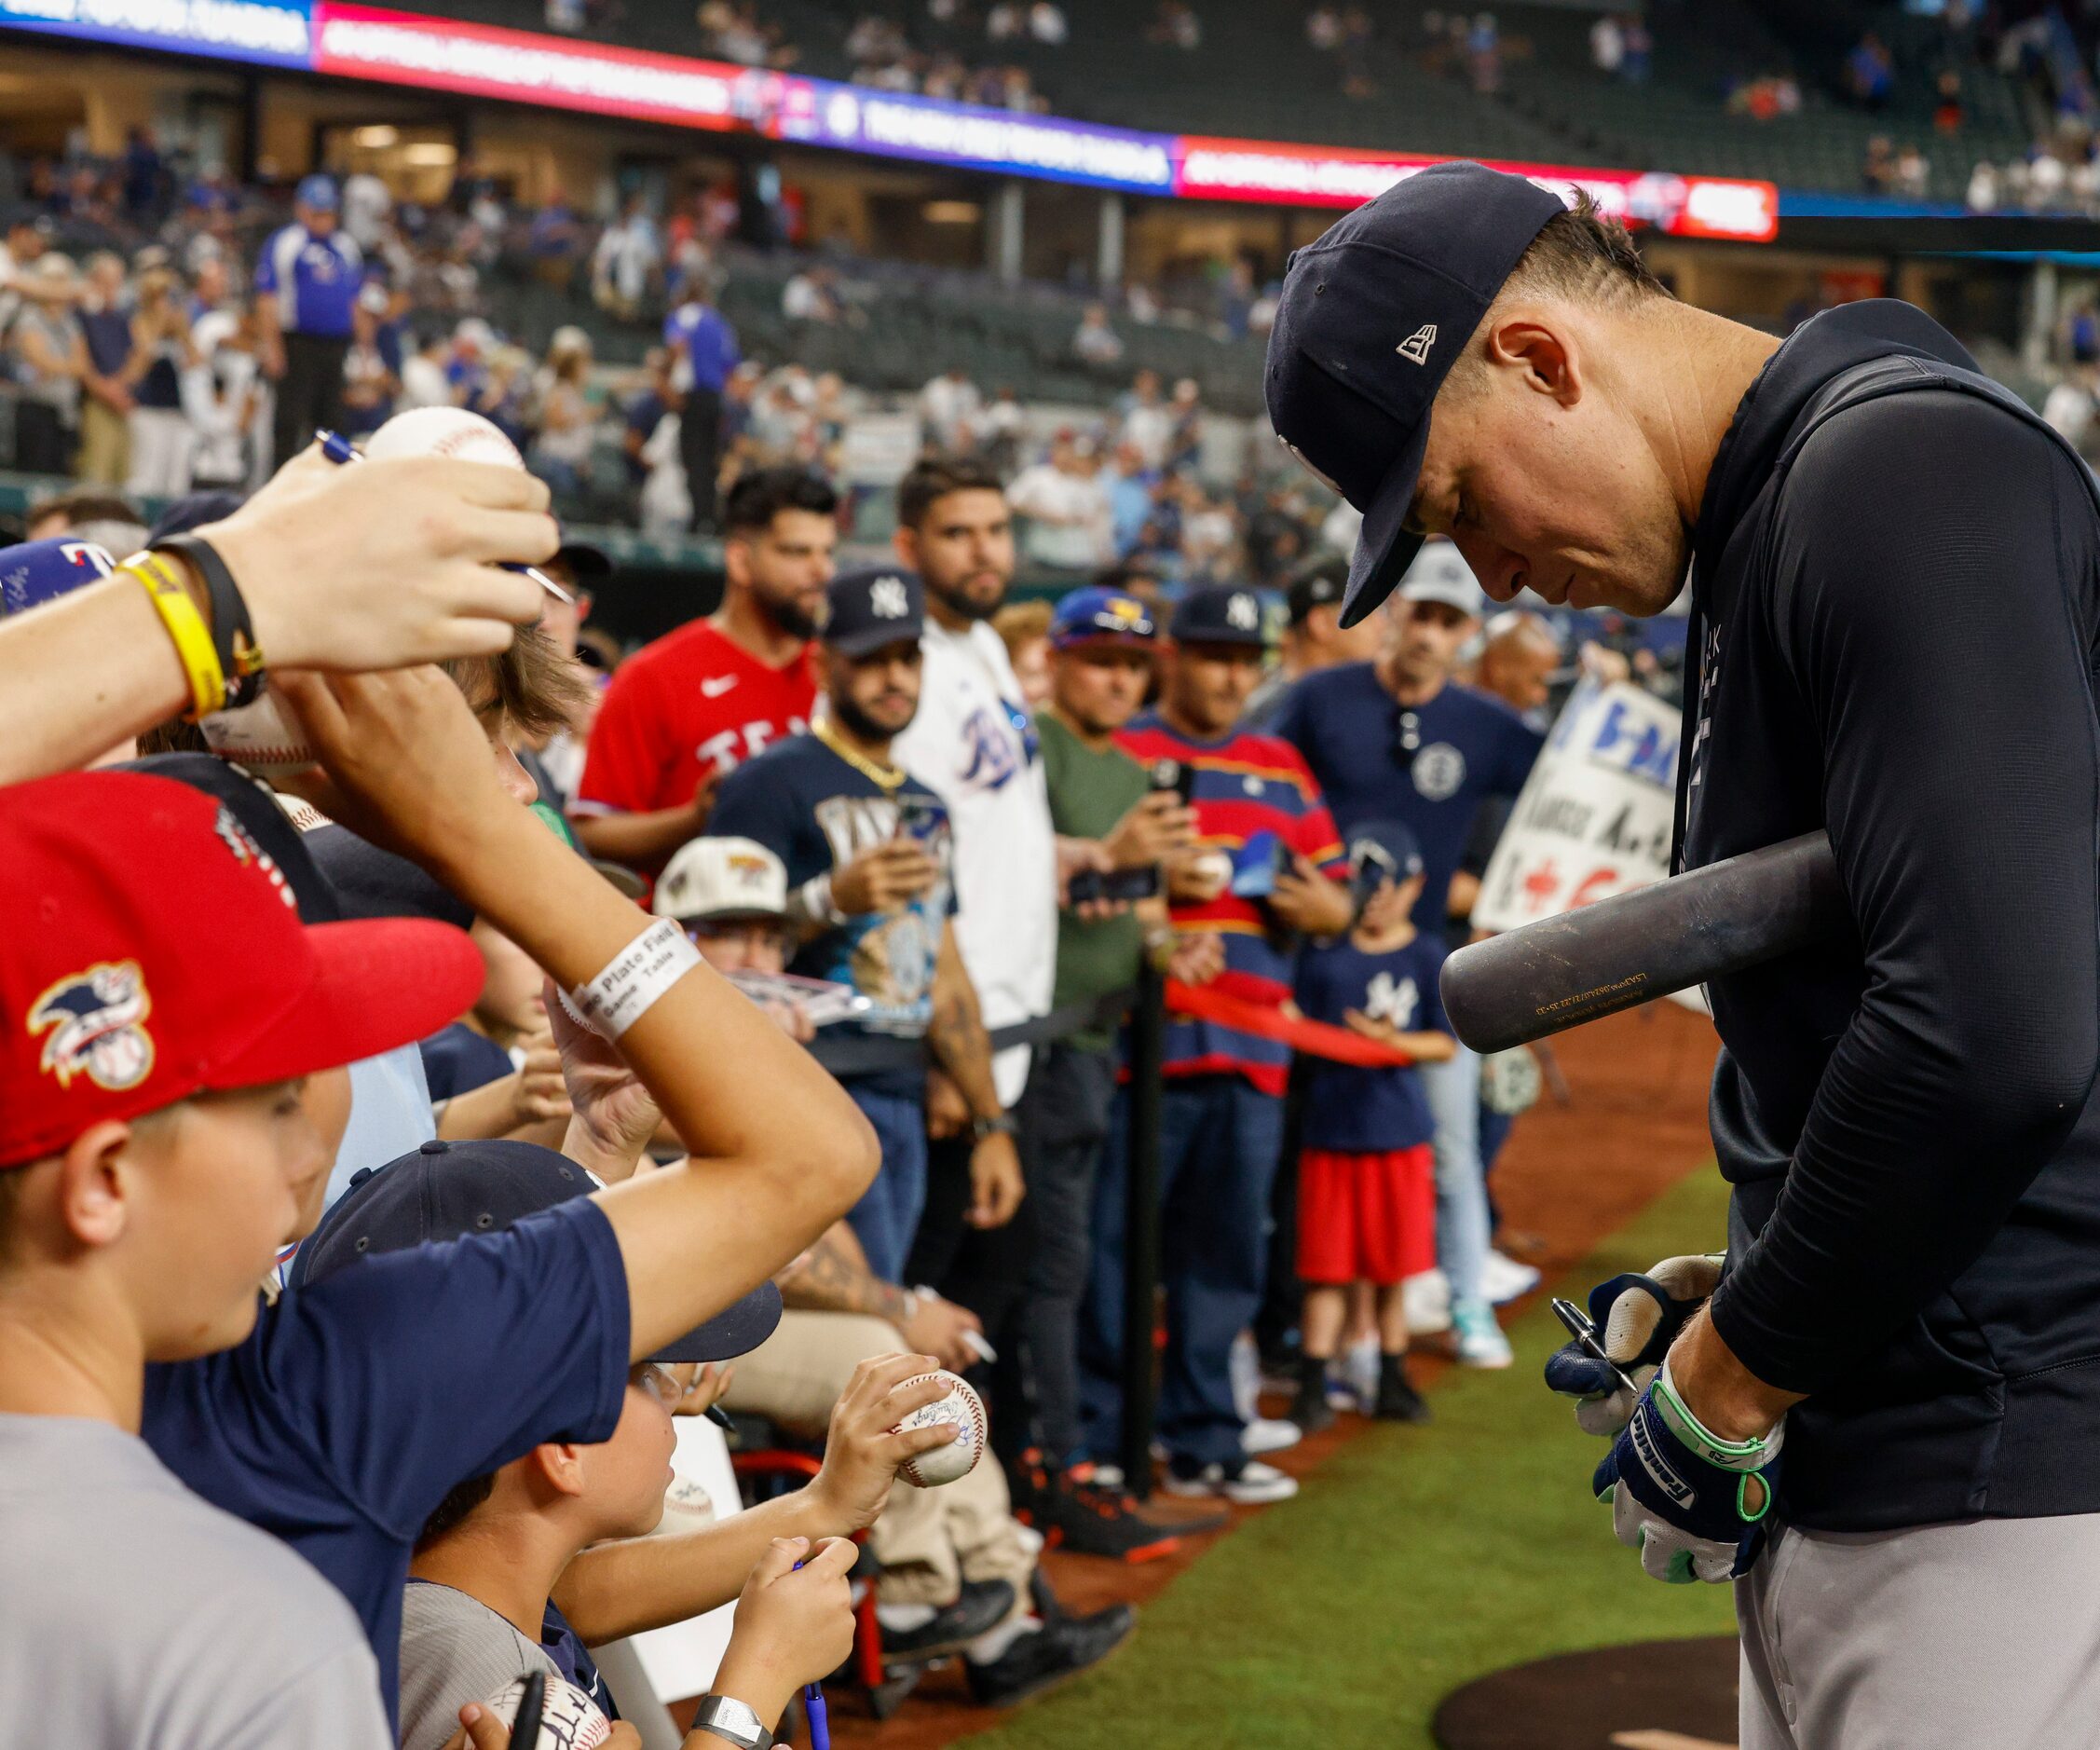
pixel 1390 840
pixel 317 192
pixel 873 605
pixel 40 571
pixel 1096 615
pixel 1221 614
pixel 1373 317
pixel 455 1190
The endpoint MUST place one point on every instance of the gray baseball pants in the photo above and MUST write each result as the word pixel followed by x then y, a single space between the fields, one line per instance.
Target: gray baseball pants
pixel 1978 1635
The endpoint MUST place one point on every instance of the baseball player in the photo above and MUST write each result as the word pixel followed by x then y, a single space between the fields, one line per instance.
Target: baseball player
pixel 1881 1422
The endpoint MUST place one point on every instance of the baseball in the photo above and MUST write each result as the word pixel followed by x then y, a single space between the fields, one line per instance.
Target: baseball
pixel 959 1457
pixel 568 1718
pixel 259 737
pixel 442 432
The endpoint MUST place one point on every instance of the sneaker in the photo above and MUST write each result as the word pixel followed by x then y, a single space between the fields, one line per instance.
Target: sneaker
pixel 1309 1405
pixel 1036 1659
pixel 1426 1301
pixel 1503 1279
pixel 1264 1435
pixel 1247 1483
pixel 1397 1400
pixel 983 1604
pixel 1480 1342
pixel 1079 1513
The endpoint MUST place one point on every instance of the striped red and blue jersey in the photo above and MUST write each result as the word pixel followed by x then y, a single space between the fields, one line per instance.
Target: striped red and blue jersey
pixel 1245 785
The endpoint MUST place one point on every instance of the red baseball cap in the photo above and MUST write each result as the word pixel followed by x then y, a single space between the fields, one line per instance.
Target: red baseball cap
pixel 153 951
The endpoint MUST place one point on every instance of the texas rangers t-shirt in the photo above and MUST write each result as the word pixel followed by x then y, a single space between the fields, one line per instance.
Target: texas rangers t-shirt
pixel 1252 794
pixel 693 703
pixel 1470 747
pixel 315 280
pixel 1354 1107
pixel 817 813
pixel 358 1402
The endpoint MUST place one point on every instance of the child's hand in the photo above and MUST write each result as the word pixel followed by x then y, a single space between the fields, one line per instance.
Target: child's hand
pixel 793 1625
pixel 861 1455
pixel 1358 1022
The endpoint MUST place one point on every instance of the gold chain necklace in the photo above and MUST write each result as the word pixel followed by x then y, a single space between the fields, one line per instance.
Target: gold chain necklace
pixel 888 777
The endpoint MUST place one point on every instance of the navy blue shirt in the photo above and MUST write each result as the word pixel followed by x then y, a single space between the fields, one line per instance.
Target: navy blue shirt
pixel 358 1404
pixel 456 1059
pixel 109 339
pixel 1353 1107
pixel 817 813
pixel 1472 747
pixel 315 280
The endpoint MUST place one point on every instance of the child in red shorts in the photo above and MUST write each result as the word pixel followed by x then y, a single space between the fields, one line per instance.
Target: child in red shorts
pixel 1366 1177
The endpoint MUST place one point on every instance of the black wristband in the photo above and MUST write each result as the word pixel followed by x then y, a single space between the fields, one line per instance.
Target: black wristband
pixel 233 634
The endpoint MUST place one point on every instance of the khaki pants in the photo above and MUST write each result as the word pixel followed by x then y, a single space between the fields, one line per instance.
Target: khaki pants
pixel 928 1541
pixel 104 459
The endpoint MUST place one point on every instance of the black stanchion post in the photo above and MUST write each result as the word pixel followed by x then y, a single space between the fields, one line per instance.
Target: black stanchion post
pixel 1141 1285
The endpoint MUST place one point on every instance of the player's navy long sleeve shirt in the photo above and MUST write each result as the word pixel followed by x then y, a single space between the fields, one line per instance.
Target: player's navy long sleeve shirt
pixel 1898 578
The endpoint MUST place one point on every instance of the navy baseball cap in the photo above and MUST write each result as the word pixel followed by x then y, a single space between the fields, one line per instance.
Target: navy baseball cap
pixel 1373 317
pixel 1095 615
pixel 1221 614
pixel 1391 842
pixel 873 605
pixel 40 571
pixel 194 509
pixel 317 192
pixel 587 561
pixel 454 1190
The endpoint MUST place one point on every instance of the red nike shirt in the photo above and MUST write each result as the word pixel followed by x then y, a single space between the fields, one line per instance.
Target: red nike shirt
pixel 692 704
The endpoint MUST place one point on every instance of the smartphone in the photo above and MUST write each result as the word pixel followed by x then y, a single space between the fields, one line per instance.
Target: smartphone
pixel 918 817
pixel 1584 1335
pixel 1090 885
pixel 1369 869
pixel 1178 775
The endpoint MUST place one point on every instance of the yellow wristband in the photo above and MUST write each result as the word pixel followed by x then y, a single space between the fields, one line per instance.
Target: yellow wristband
pixel 186 627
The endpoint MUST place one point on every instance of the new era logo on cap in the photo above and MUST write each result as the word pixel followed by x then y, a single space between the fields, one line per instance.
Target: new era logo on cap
pixel 1415 347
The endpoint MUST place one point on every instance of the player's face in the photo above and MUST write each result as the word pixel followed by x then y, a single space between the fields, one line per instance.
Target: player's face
pixel 1562 496
pixel 965 551
pixel 787 566
pixel 878 694
pixel 1100 687
pixel 741 944
pixel 1208 684
pixel 1426 637
pixel 625 1477
pixel 210 1189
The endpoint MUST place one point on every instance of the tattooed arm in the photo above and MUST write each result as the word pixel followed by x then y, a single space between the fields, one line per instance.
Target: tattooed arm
pixel 833 1277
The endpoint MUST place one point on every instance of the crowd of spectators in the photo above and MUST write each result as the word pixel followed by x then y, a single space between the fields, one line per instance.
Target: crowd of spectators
pixel 953 53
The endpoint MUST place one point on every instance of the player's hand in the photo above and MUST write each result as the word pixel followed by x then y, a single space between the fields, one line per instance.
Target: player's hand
pixel 541 1095
pixel 885 878
pixel 405 763
pixel 1158 826
pixel 938 1326
pixel 1306 901
pixel 862 1456
pixel 995 1180
pixel 793 1625
pixel 1198 957
pixel 1638 1317
pixel 947 1114
pixel 613 1115
pixel 386 562
pixel 1696 1506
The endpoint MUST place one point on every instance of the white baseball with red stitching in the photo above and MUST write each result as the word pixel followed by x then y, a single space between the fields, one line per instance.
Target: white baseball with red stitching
pixel 959 1457
pixel 258 737
pixel 443 432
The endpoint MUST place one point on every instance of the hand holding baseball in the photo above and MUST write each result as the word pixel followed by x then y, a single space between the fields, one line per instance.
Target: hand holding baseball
pixel 868 1445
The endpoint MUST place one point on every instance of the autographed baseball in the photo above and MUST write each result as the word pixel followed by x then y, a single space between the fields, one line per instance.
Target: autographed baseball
pixel 568 1718
pixel 959 1457
pixel 259 737
pixel 443 432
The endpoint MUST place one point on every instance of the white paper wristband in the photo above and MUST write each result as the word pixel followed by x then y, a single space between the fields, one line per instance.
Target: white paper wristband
pixel 641 972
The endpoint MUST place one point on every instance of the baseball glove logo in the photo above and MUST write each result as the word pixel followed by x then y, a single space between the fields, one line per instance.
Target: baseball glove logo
pixel 96 1022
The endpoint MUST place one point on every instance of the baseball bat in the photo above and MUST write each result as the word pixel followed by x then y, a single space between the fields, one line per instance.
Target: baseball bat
pixel 1555 974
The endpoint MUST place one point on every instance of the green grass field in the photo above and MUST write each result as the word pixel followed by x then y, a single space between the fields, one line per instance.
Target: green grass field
pixel 1414 1560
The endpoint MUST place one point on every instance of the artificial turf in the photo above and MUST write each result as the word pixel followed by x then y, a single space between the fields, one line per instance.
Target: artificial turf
pixel 1414 1560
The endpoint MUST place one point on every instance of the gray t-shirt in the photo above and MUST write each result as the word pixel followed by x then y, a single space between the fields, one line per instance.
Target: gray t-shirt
pixel 453 1650
pixel 134 1613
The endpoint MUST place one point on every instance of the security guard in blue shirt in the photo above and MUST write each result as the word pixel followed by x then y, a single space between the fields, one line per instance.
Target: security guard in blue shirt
pixel 307 284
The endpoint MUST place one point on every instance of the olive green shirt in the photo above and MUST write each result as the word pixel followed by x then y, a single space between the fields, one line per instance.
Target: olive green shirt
pixel 1089 792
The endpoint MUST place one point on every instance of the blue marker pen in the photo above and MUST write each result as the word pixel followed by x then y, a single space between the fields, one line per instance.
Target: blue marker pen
pixel 818 1714
pixel 338 450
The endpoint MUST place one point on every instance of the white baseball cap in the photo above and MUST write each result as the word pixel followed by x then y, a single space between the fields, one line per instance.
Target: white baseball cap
pixel 722 878
pixel 1438 574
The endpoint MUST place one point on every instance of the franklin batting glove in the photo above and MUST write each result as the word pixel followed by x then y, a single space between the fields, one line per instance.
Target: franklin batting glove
pixel 1637 1319
pixel 1696 1506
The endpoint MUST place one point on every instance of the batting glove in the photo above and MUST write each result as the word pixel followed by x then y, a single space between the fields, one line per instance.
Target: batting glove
pixel 1696 1506
pixel 1637 1319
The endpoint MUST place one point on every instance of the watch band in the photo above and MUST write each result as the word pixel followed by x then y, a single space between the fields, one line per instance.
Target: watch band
pixel 1001 1125
pixel 728 1717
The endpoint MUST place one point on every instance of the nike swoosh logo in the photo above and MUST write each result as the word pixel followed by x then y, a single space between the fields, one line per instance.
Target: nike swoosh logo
pixel 716 687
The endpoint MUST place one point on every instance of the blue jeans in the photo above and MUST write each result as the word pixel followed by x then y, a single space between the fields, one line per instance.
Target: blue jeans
pixel 887 1216
pixel 1454 1091
pixel 1220 1140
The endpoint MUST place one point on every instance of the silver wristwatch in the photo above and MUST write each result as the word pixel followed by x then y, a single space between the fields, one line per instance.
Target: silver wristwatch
pixel 727 1717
